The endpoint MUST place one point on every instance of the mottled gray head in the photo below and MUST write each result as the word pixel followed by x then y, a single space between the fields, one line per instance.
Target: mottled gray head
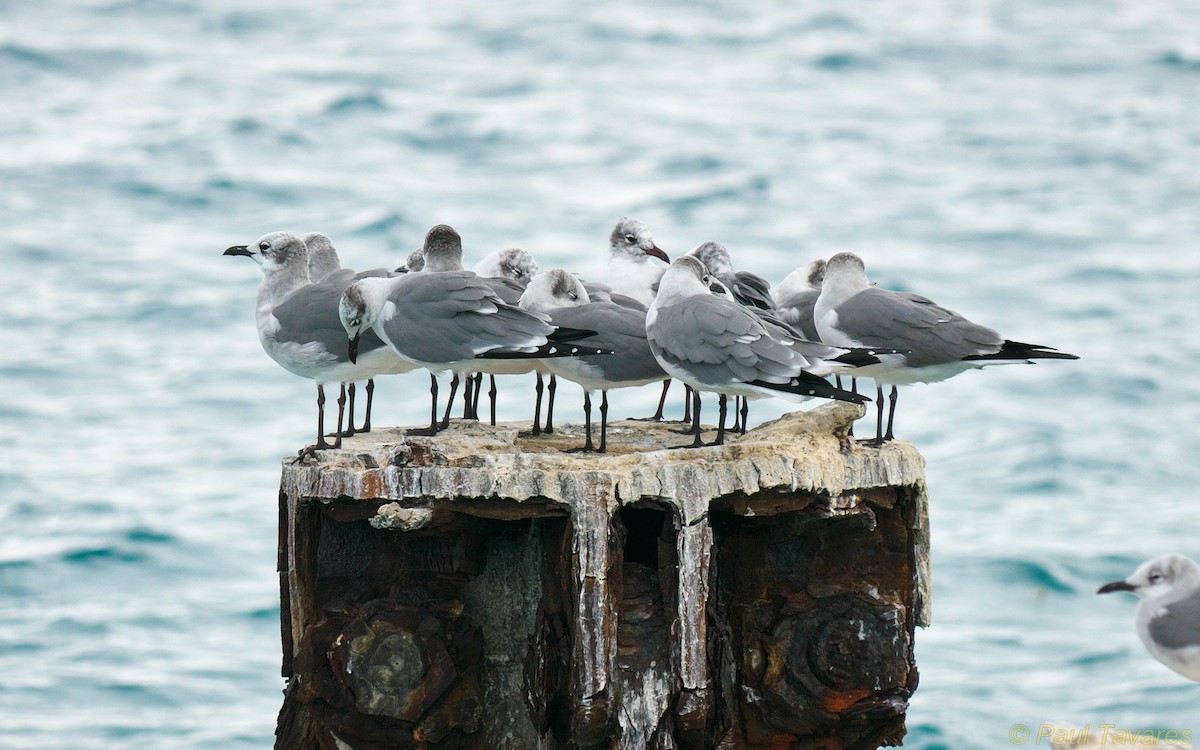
pixel 518 265
pixel 1169 575
pixel 273 251
pixel 442 249
pixel 714 256
pixel 631 237
pixel 554 288
pixel 816 273
pixel 322 257
pixel 844 261
pixel 414 263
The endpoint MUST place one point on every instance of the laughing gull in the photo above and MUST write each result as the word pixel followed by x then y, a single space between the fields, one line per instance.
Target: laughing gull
pixel 323 260
pixel 714 344
pixel 299 328
pixel 630 272
pixel 939 343
pixel 746 288
pixel 620 328
pixel 451 320
pixel 796 296
pixel 1168 616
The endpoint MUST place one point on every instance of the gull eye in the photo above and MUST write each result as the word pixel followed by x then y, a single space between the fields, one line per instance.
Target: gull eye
pixel 572 295
pixel 264 246
pixel 1155 578
pixel 631 239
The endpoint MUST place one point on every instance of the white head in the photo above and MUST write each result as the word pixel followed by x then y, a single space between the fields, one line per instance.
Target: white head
pixel 687 277
pixel 510 263
pixel 360 306
pixel 414 263
pixel 442 249
pixel 714 256
pixel 275 251
pixel 1168 577
pixel 554 288
pixel 803 279
pixel 631 240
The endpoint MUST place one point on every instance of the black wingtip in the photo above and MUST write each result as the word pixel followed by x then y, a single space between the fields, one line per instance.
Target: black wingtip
pixel 1018 350
pixel 807 384
pixel 548 350
pixel 570 334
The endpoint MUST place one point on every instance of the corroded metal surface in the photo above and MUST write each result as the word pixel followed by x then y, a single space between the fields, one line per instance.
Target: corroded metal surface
pixel 484 588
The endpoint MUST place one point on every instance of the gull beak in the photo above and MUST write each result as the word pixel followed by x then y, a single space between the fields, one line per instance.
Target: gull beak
pixel 238 250
pixel 353 351
pixel 657 252
pixel 1108 588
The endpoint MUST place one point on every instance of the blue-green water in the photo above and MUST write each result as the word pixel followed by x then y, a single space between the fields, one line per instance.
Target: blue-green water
pixel 1031 164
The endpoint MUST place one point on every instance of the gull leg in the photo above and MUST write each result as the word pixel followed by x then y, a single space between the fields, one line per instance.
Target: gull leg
pixel 662 402
pixel 853 389
pixel 687 402
pixel 879 415
pixel 337 443
pixel 603 421
pixel 450 401
pixel 467 389
pixel 550 389
pixel 370 399
pixel 697 442
pixel 432 429
pixel 349 431
pixel 537 405
pixel 891 413
pixel 722 405
pixel 745 413
pixel 491 397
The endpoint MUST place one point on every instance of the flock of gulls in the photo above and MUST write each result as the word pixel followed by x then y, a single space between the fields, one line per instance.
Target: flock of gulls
pixel 695 320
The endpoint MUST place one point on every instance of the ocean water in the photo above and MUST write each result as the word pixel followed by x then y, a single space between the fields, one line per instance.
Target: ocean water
pixel 1030 164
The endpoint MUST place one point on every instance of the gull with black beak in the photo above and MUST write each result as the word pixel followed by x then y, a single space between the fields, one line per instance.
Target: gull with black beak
pixel 451 320
pixel 1168 616
pixel 298 325
pixel 937 343
pixel 715 344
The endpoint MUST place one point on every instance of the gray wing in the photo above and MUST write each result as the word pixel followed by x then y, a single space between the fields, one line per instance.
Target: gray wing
pixel 450 316
pixel 310 315
pixel 620 329
pixel 930 333
pixel 797 310
pixel 719 342
pixel 750 289
pixel 810 349
pixel 505 288
pixel 1179 624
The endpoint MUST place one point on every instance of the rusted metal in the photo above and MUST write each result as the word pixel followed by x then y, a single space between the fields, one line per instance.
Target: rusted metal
pixel 482 589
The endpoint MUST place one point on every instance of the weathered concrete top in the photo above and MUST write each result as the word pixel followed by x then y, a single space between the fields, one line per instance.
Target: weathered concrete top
pixel 801 451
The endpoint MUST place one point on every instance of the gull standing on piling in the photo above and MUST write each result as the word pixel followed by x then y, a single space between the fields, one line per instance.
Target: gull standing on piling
pixel 451 320
pixel 299 328
pixel 1168 616
pixel 937 343
pixel 714 344
pixel 621 328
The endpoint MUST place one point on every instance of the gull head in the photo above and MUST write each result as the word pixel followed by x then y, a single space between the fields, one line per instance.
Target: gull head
pixel 554 288
pixel 414 263
pixel 815 273
pixel 442 249
pixel 273 251
pixel 1169 576
pixel 510 263
pixel 631 239
pixel 714 256
pixel 322 257
pixel 687 277
pixel 359 309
